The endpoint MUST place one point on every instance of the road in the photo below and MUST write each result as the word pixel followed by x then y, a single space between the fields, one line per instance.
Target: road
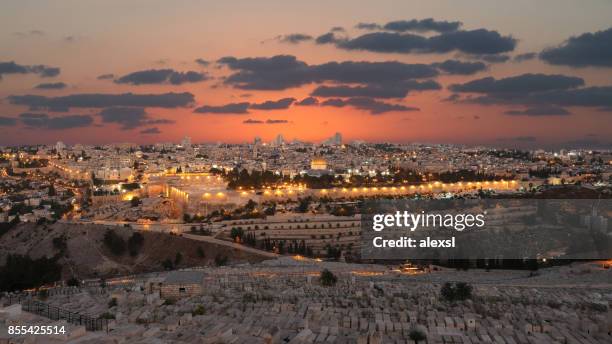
pixel 212 240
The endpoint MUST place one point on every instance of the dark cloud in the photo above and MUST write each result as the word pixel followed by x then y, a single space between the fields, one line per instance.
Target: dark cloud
pixel 45 71
pixel 521 84
pixel 285 71
pixel 202 62
pixel 476 42
pixel 460 67
pixel 295 38
pixel 14 68
pixel 127 117
pixel 151 131
pixel 589 96
pixel 335 102
pixel 539 111
pixel 100 100
pixel 284 103
pixel 423 25
pixel 588 49
pixel 274 73
pixel 519 139
pixel 536 89
pixel 587 143
pixel 276 121
pixel 525 57
pixel 161 76
pixel 452 98
pixel 130 117
pixel 44 121
pixel 268 121
pixel 106 76
pixel 326 38
pixel 373 106
pixel 387 90
pixel 493 58
pixel 368 26
pixel 337 29
pixel 232 108
pixel 308 101
pixel 7 121
pixel 51 86
pixel 30 33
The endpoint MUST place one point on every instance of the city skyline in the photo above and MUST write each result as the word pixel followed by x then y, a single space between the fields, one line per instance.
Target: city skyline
pixel 407 72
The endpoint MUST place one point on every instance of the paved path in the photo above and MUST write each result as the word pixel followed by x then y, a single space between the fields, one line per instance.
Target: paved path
pixel 212 240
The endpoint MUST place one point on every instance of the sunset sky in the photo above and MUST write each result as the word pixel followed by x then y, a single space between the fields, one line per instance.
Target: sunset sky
pixel 505 73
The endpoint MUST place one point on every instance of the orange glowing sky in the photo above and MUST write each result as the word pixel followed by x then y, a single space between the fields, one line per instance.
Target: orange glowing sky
pixel 86 39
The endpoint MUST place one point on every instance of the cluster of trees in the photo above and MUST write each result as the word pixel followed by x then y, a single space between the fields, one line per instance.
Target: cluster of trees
pixel 7 226
pixel 294 247
pixel 256 179
pixel 327 278
pixel 34 163
pixel 22 272
pixel 169 264
pixel 118 246
pixel 458 291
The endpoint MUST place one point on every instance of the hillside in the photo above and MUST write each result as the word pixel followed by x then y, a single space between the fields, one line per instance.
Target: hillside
pixel 83 253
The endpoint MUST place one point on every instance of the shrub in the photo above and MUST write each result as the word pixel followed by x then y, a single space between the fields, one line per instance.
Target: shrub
pixel 417 335
pixel 199 310
pixel 328 278
pixel 459 291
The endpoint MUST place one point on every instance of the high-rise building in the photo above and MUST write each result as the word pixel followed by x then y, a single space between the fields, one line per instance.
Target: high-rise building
pixel 335 140
pixel 60 146
pixel 186 142
pixel 279 140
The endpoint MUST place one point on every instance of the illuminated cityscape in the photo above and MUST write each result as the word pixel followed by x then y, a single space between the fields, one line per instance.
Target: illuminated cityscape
pixel 273 172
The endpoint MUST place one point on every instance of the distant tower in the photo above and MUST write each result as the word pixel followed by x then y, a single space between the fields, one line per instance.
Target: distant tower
pixel 337 139
pixel 279 140
pixel 60 146
pixel 257 140
pixel 186 142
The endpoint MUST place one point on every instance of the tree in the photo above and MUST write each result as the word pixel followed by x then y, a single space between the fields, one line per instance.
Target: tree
pixel 135 243
pixel 178 258
pixel 167 264
pixel 114 242
pixel 52 191
pixel 236 232
pixel 220 259
pixel 328 278
pixel 459 291
pixel 463 291
pixel 448 291
pixel 417 335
